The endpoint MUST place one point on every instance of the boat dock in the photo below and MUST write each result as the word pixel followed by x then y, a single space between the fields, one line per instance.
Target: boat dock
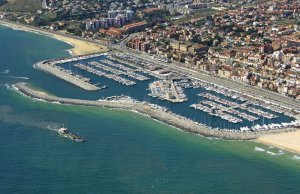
pixel 166 90
pixel 212 110
pixel 246 106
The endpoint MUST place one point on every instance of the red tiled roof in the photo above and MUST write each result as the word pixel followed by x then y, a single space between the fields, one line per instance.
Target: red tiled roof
pixel 150 10
pixel 114 32
pixel 133 25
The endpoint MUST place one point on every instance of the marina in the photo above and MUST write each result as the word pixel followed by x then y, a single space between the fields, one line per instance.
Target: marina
pixel 131 152
pixel 243 106
pixel 195 100
pixel 212 111
pixel 126 70
pixel 102 73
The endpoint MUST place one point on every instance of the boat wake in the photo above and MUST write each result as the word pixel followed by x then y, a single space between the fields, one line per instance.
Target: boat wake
pixel 53 126
pixel 16 77
pixel 8 115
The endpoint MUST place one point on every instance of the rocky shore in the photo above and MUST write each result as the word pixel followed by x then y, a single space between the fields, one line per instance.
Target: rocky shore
pixel 155 113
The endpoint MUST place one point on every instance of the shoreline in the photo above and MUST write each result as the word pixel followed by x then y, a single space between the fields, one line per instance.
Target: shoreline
pixel 80 47
pixel 274 138
pixel 151 111
pixel 286 141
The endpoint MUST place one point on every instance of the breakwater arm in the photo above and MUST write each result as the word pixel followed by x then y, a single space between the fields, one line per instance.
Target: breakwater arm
pixel 155 113
pixel 50 68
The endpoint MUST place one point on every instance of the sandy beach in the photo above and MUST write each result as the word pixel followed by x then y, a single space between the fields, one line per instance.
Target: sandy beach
pixel 80 47
pixel 289 141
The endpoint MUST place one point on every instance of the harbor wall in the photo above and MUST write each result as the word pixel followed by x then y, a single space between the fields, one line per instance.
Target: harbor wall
pixel 147 109
pixel 48 67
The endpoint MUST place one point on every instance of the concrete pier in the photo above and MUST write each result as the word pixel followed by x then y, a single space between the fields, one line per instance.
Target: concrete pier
pixel 51 68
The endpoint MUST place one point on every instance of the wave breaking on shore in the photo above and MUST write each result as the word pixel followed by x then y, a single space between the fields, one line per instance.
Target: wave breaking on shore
pixel 271 153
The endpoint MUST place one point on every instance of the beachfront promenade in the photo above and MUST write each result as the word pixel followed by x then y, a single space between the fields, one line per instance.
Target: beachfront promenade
pixel 154 112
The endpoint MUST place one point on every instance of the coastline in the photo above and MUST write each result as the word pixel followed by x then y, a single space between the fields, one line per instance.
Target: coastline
pixel 284 138
pixel 80 47
pixel 149 110
pixel 51 69
pixel 287 141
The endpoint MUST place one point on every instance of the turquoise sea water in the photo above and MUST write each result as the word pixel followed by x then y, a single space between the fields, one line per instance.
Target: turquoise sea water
pixel 125 152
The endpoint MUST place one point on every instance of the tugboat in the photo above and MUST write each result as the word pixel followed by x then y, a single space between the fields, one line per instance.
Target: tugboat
pixel 66 133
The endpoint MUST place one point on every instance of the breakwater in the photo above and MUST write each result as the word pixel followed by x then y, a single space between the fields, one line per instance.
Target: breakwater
pixel 152 111
pixel 51 68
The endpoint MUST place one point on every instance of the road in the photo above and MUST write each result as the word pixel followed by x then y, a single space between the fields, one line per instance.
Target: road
pixel 251 90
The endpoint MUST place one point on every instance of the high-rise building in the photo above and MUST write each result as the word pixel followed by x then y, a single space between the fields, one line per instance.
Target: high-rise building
pixel 88 25
pixel 111 14
pixel 129 15
pixel 115 18
pixel 145 46
pixel 97 24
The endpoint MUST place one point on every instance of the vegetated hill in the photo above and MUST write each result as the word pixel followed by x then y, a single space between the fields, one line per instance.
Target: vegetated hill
pixel 21 5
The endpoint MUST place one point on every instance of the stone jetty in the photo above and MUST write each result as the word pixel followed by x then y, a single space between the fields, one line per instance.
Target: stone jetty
pixel 152 111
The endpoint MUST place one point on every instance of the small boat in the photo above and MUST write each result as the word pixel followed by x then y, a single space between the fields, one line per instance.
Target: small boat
pixel 66 133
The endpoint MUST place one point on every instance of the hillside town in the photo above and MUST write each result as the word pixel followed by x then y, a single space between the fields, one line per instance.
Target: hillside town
pixel 255 45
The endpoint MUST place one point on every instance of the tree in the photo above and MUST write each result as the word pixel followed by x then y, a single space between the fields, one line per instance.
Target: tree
pixel 77 32
pixel 197 39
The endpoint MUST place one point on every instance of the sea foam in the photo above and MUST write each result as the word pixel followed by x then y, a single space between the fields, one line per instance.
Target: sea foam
pixel 258 149
pixel 16 77
pixel 271 153
pixel 295 157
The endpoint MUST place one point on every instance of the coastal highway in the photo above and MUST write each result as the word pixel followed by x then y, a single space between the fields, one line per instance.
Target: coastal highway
pixel 254 91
